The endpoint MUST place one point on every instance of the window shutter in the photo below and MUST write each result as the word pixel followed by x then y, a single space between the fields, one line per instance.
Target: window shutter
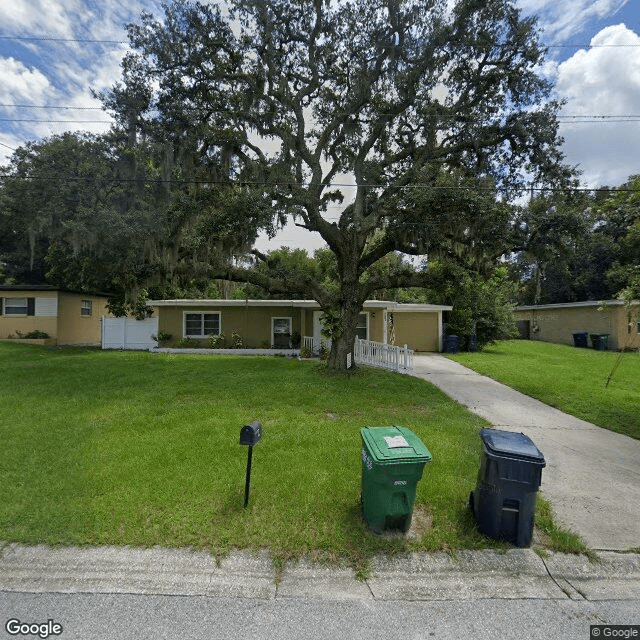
pixel 31 306
pixel 1 305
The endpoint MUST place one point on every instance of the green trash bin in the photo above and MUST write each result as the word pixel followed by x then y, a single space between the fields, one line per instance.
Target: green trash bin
pixel 393 459
pixel 600 341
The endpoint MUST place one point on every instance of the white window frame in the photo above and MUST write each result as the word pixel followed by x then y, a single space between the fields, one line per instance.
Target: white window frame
pixel 366 314
pixel 13 304
pixel 273 322
pixel 201 313
pixel 86 306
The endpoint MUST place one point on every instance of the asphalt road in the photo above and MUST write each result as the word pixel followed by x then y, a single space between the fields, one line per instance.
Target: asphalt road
pixel 124 616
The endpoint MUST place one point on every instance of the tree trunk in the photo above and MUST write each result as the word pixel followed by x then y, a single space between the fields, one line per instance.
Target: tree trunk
pixel 343 337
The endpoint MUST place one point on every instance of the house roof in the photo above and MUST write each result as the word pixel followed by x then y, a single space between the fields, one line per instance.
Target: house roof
pixel 303 304
pixel 49 287
pixel 575 305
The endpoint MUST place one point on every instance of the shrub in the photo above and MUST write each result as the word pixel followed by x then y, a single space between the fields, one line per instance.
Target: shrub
pixel 188 343
pixel 162 338
pixel 236 341
pixel 33 335
pixel 215 341
pixel 305 352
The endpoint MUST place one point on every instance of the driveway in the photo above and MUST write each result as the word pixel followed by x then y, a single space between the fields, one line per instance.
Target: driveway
pixel 592 477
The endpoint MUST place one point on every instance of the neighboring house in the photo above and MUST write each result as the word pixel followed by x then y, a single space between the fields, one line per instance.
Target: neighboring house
pixel 271 323
pixel 558 322
pixel 69 318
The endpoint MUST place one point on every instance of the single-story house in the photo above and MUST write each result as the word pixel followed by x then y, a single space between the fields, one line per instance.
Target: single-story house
pixel 69 318
pixel 271 323
pixel 558 322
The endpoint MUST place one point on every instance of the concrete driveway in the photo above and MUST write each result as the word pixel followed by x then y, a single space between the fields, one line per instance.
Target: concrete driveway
pixel 592 477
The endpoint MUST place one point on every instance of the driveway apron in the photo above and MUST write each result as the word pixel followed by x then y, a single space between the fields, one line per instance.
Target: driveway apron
pixel 592 477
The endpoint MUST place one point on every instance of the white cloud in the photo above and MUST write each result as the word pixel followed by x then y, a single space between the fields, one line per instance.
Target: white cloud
pixel 43 17
pixel 22 83
pixel 561 20
pixel 603 81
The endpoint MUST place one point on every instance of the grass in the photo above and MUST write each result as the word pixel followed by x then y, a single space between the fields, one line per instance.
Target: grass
pixel 570 379
pixel 555 537
pixel 131 448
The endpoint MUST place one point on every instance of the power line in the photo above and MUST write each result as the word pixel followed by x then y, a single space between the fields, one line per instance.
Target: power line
pixel 52 39
pixel 594 120
pixel 56 121
pixel 50 106
pixel 458 114
pixel 288 185
pixel 121 42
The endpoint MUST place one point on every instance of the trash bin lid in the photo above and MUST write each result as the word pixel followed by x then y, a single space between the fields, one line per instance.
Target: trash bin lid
pixel 511 444
pixel 394 444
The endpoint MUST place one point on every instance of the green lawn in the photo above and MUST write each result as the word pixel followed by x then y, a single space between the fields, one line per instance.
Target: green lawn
pixel 132 448
pixel 568 378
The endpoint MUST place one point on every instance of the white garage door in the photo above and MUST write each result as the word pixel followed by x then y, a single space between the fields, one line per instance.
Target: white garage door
pixel 129 333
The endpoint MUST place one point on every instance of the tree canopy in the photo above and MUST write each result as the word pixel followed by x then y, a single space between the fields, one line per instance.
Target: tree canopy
pixel 579 246
pixel 383 125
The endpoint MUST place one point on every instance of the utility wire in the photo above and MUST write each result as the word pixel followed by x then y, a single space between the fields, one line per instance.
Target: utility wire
pixel 575 119
pixel 287 185
pixel 121 42
pixel 50 106
pixel 52 39
pixel 581 117
pixel 56 121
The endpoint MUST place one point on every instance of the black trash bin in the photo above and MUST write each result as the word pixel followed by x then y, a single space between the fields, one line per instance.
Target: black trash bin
pixel 504 501
pixel 472 344
pixel 452 344
pixel 580 339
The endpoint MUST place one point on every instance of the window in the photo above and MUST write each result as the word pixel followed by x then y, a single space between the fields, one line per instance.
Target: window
pixel 362 330
pixel 86 308
pixel 19 306
pixel 200 324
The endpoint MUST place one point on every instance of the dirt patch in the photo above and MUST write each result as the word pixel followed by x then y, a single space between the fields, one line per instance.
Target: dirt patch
pixel 421 523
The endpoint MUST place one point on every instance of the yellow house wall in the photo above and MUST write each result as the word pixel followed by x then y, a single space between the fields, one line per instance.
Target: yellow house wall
pixel 10 325
pixel 419 331
pixel 74 328
pixel 376 320
pixel 559 324
pixel 253 324
pixel 628 330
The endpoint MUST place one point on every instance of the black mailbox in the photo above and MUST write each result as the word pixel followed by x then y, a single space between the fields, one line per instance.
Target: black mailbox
pixel 251 434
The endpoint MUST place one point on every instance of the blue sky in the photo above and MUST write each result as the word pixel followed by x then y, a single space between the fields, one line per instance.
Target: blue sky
pixel 43 64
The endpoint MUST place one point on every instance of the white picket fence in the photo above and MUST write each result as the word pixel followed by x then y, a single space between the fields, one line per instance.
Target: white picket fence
pixel 387 356
pixel 315 344
pixel 375 354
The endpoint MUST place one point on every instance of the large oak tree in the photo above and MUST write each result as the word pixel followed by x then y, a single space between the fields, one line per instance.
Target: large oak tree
pixel 383 125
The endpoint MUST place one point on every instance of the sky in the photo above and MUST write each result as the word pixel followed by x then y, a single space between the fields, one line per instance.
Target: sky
pixel 53 53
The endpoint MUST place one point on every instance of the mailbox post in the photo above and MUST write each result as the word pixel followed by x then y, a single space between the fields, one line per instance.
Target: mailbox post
pixel 250 435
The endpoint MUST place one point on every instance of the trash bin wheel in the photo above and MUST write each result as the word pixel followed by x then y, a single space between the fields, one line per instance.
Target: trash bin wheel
pixel 470 503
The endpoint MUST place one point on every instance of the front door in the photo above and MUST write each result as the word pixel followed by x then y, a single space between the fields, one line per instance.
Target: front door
pixel 281 333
